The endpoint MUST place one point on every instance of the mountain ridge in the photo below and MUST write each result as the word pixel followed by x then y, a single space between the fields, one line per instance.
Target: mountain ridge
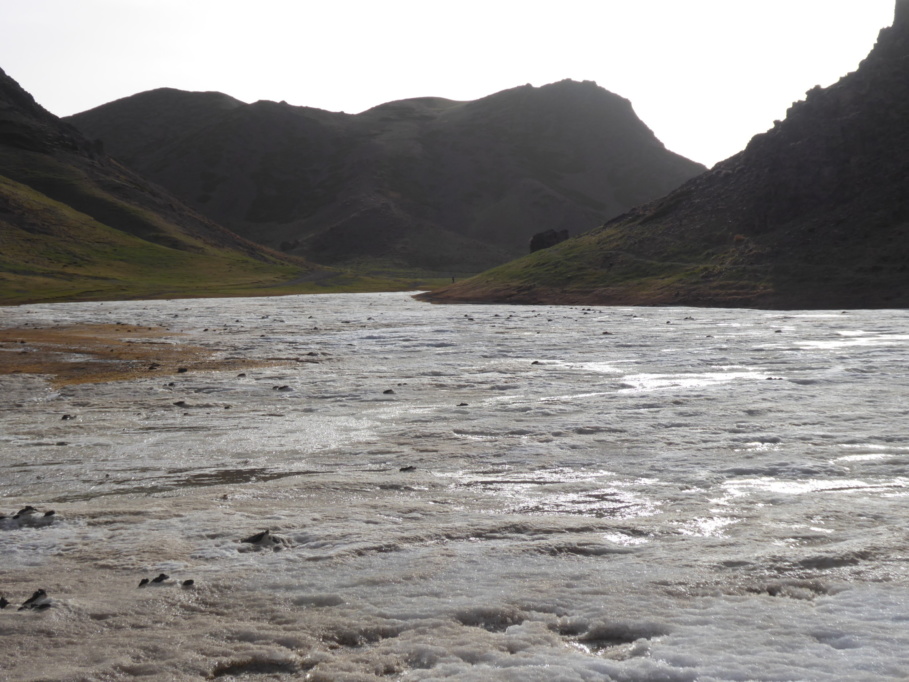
pixel 426 182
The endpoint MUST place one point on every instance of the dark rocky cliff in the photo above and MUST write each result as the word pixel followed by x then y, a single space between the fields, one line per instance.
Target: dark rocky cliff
pixel 813 213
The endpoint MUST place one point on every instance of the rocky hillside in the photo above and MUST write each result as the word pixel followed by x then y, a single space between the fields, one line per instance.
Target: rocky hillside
pixel 429 182
pixel 813 213
pixel 76 224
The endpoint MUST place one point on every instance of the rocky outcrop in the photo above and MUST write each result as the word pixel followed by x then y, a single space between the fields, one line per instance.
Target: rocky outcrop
pixel 543 240
pixel 426 182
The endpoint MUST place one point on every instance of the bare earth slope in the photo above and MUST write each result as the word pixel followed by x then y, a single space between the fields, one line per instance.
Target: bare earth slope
pixel 76 224
pixel 813 213
pixel 426 182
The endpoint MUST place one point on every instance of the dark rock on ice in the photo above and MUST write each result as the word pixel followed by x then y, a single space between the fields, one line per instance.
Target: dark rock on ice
pixel 3 602
pixel 38 601
pixel 266 540
pixel 258 537
pixel 27 517
pixel 161 579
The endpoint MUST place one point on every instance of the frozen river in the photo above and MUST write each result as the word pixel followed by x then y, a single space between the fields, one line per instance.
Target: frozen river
pixel 466 493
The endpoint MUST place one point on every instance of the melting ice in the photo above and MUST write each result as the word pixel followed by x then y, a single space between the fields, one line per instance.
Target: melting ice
pixel 466 493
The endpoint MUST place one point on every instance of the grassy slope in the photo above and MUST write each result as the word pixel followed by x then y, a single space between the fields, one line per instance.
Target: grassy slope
pixel 624 264
pixel 50 251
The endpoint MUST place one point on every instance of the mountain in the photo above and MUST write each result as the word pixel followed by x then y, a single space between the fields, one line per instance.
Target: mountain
pixel 814 213
pixel 76 224
pixel 429 183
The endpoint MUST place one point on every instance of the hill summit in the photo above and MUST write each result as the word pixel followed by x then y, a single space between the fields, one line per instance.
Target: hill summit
pixel 426 182
pixel 813 213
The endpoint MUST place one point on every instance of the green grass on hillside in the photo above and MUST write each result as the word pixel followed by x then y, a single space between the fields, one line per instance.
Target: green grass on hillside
pixel 51 252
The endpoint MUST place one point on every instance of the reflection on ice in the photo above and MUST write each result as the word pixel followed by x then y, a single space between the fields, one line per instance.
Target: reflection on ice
pixel 657 382
pixel 713 526
pixel 864 458
pixel 622 539
pixel 802 487
pixel 857 339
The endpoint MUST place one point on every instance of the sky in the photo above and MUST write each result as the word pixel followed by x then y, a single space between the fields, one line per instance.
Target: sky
pixel 704 75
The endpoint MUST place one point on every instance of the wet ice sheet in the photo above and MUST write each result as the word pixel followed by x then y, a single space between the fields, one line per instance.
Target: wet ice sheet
pixel 599 493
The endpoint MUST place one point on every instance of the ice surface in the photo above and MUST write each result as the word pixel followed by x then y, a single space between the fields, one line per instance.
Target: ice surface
pixel 718 498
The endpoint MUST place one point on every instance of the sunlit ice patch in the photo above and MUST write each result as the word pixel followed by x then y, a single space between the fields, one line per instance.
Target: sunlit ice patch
pixel 564 492
pixel 614 503
pixel 847 341
pixel 625 540
pixel 759 446
pixel 875 448
pixel 801 487
pixel 538 476
pixel 864 458
pixel 710 526
pixel 661 382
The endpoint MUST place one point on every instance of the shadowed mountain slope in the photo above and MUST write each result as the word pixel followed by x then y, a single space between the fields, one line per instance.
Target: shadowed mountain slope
pixel 76 224
pixel 425 182
pixel 813 213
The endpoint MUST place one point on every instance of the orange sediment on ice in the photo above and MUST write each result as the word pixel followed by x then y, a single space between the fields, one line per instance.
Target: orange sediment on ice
pixel 95 353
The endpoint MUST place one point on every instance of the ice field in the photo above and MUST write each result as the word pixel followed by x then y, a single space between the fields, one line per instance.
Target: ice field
pixel 466 493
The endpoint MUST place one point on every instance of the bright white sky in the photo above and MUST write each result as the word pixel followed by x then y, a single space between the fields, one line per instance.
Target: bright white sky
pixel 705 75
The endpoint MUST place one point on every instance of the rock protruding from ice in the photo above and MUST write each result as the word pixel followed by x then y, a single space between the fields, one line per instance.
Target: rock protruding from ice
pixel 37 602
pixel 27 517
pixel 265 540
